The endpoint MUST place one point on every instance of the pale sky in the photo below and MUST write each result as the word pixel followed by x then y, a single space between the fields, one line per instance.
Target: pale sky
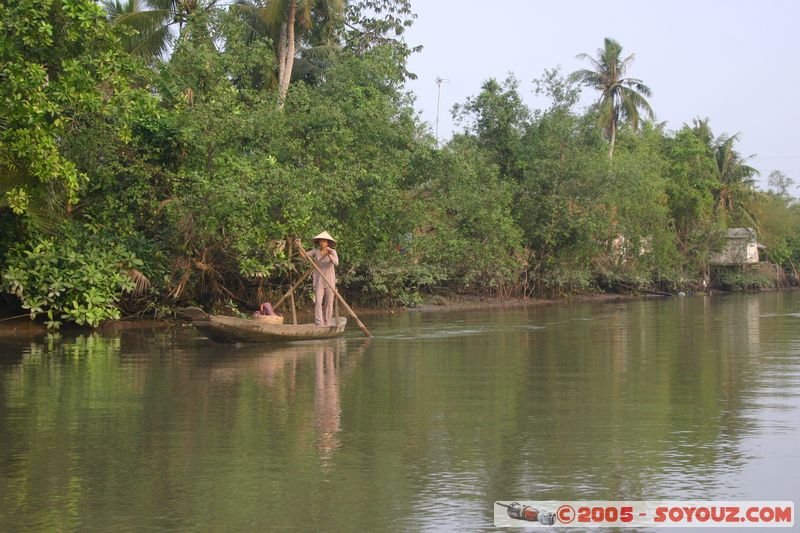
pixel 733 61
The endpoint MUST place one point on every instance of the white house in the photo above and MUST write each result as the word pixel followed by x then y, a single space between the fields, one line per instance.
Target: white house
pixel 741 248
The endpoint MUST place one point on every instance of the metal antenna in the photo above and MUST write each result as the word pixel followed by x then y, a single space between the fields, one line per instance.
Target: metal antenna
pixel 439 82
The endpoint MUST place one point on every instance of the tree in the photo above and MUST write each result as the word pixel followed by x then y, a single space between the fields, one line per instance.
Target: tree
pixel 735 178
pixel 312 57
pixel 146 30
pixel 691 184
pixel 621 99
pixel 497 118
pixel 732 167
pixel 558 204
pixel 64 74
pixel 288 21
pixel 780 184
pixel 148 24
pixel 61 64
pixel 381 23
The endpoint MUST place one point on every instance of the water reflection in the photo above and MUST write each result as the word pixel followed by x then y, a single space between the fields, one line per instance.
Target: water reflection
pixel 161 429
pixel 327 410
pixel 283 367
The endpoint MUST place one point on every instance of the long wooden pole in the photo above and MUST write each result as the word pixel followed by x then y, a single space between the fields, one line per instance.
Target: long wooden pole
pixel 291 294
pixel 331 287
pixel 292 289
pixel 294 311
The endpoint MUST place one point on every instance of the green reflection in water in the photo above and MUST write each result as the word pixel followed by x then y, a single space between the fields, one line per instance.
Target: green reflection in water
pixel 423 427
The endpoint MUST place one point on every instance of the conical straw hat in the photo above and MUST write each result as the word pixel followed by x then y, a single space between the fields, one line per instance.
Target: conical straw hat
pixel 327 236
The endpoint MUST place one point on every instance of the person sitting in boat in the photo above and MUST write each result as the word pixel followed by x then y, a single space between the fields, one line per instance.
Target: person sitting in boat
pixel 327 259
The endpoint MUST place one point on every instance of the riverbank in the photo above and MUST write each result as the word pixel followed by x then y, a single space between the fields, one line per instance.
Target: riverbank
pixel 459 303
pixel 22 326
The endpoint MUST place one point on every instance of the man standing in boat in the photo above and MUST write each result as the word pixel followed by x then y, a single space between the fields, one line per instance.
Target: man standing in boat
pixel 326 259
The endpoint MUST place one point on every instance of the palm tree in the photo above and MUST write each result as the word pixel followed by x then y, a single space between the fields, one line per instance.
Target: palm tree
pixel 620 98
pixel 702 130
pixel 153 21
pixel 316 52
pixel 736 178
pixel 152 37
pixel 286 22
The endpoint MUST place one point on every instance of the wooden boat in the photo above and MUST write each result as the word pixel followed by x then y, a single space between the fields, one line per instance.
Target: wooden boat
pixel 228 329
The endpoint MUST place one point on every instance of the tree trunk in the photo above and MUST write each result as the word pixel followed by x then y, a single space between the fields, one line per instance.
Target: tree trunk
pixel 613 138
pixel 287 62
pixel 281 59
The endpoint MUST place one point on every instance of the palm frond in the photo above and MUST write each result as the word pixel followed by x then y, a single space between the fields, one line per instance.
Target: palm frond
pixel 144 21
pixel 13 174
pixel 323 52
pixel 153 44
pixel 305 13
pixel 620 97
pixel 140 282
pixel 636 100
pixel 164 5
pixel 623 66
pixel 629 112
pixel 253 18
pixel 702 130
pixel 587 77
pixel 114 8
pixel 586 57
pixel 637 85
pixel 152 36
pixel 275 12
pixel 605 112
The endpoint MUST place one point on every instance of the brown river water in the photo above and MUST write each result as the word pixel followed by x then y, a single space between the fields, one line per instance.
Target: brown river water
pixel 421 428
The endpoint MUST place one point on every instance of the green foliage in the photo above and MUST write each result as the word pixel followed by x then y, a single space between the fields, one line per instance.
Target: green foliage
pixel 248 175
pixel 780 183
pixel 496 118
pixel 60 63
pixel 735 279
pixel 641 233
pixel 621 99
pixel 144 31
pixel 187 164
pixel 373 24
pixel 78 277
pixel 690 185
pixel 778 217
pixel 467 227
pixel 392 281
pixel 559 203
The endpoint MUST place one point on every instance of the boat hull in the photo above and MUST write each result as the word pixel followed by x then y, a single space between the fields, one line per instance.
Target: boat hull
pixel 228 329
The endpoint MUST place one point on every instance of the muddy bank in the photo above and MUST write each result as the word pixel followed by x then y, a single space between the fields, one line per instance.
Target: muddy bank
pixel 458 303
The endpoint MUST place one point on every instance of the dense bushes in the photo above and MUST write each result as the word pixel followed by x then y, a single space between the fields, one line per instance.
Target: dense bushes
pixel 75 277
pixel 737 279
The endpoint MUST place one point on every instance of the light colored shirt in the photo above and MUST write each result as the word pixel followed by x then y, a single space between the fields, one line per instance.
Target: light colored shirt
pixel 326 263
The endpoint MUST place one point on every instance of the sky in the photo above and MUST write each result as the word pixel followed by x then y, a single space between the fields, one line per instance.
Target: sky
pixel 734 62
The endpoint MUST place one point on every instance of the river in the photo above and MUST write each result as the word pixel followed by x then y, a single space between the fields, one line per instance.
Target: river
pixel 421 428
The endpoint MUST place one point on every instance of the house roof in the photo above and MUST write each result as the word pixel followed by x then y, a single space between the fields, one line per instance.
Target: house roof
pixel 742 233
